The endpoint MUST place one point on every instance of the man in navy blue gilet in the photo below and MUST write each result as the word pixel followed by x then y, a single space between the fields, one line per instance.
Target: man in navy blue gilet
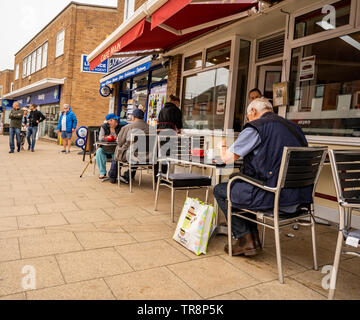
pixel 261 146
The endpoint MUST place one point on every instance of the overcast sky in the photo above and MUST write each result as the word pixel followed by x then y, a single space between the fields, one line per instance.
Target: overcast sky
pixel 21 20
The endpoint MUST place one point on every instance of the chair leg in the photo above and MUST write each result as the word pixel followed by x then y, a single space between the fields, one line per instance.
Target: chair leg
pixel 336 265
pixel 278 254
pixel 118 175
pixel 157 194
pixel 94 165
pixel 229 230
pixel 140 178
pixel 313 236
pixel 263 234
pixel 153 180
pixel 207 195
pixel 130 180
pixel 172 204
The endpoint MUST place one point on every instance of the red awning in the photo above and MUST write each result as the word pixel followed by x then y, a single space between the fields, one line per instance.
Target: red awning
pixel 176 22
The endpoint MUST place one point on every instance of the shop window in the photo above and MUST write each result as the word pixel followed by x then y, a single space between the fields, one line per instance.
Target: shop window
pixel 326 18
pixel 141 81
pixel 218 54
pixel 325 87
pixel 60 41
pixel 48 127
pixel 44 55
pixel 193 62
pixel 204 99
pixel 159 75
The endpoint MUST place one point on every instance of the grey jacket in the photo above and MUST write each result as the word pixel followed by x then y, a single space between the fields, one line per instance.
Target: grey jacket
pixel 123 139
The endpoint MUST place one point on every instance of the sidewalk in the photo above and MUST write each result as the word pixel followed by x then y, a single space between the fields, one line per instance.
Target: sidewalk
pixel 91 240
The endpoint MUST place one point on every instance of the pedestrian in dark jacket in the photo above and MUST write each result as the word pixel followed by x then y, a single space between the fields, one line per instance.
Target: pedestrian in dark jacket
pixel 15 116
pixel 34 119
pixel 170 117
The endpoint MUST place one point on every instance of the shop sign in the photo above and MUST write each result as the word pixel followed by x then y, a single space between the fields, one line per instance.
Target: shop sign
pixel 7 104
pixel 117 63
pixel 130 73
pixel 46 96
pixel 101 68
pixel 307 68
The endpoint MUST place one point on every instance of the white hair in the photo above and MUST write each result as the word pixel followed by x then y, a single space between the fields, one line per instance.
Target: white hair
pixel 260 105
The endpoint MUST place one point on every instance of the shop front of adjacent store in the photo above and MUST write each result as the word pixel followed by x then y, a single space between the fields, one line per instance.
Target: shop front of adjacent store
pixel 48 102
pixel 141 83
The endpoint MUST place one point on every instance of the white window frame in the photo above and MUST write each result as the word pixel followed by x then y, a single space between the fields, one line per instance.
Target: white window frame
pixel 11 86
pixel 60 44
pixel 38 58
pixel 1 91
pixel 326 34
pixel 17 70
pixel 229 99
pixel 129 9
pixel 28 67
pixel 291 44
pixel 24 67
pixel 33 62
pixel 44 54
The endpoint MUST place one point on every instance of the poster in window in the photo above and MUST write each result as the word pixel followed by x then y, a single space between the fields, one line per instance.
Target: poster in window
pixel 320 91
pixel 280 94
pixel 307 68
pixel 221 104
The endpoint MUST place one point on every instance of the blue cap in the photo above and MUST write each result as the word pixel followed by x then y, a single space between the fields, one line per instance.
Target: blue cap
pixel 138 114
pixel 111 116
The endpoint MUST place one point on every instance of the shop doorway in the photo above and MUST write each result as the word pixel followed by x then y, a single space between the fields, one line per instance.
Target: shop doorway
pixel 267 76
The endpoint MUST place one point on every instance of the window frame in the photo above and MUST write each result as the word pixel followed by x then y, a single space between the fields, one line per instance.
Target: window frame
pixel 38 62
pixel 292 44
pixel 17 71
pixel 57 53
pixel 1 91
pixel 127 13
pixel 44 61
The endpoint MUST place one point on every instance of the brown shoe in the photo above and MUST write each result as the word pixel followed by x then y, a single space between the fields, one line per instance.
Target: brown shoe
pixel 257 241
pixel 245 246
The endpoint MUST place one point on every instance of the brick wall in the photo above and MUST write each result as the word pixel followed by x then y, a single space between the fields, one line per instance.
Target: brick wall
pixel 6 77
pixel 85 27
pixel 174 81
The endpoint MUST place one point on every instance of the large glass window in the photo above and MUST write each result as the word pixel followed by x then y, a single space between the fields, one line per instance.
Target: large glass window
pixel 17 72
pixel 320 20
pixel 38 58
pixel 44 55
pixel 33 62
pixel 204 99
pixel 159 75
pixel 47 128
pixel 141 81
pixel 325 87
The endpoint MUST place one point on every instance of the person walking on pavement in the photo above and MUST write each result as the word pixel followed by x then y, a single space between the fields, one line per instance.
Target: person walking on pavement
pixel 67 125
pixel 35 118
pixel 16 116
pixel 24 127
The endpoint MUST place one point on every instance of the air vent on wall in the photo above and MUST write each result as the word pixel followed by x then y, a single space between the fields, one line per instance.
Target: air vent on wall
pixel 270 47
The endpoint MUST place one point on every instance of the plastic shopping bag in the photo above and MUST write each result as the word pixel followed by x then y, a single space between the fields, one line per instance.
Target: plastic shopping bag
pixel 195 225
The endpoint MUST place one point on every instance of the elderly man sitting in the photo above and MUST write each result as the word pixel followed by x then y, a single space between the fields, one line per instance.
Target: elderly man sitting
pixel 261 146
pixel 137 125
pixel 110 128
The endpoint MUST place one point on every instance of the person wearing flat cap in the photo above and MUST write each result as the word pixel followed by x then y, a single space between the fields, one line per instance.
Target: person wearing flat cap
pixel 137 126
pixel 111 128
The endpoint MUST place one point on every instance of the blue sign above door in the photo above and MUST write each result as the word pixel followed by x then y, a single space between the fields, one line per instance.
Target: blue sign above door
pixel 130 73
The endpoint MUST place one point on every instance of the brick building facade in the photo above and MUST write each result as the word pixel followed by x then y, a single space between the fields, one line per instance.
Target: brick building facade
pixel 80 28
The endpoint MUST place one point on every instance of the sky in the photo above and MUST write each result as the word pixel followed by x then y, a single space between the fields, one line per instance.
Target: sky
pixel 21 20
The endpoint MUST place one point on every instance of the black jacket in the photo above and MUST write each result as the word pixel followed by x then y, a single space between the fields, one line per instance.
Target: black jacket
pixel 35 116
pixel 170 117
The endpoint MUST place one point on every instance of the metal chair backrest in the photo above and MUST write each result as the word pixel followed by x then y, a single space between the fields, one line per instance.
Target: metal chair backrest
pixel 176 147
pixel 345 165
pixel 301 167
pixel 142 147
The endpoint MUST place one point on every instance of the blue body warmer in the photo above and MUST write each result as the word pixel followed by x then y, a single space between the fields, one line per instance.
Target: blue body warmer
pixel 264 165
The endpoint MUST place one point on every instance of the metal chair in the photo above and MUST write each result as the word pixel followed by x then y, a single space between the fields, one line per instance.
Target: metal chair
pixel 140 156
pixel 345 165
pixel 300 167
pixel 178 147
